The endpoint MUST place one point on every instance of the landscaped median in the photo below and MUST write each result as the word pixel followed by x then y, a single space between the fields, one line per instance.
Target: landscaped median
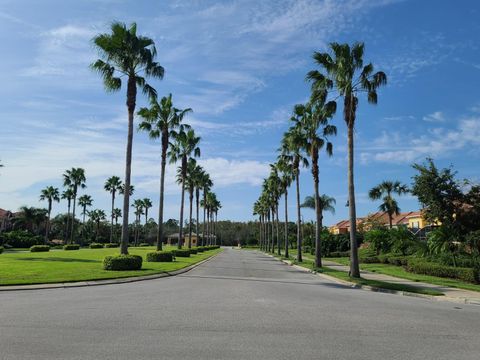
pixel 22 268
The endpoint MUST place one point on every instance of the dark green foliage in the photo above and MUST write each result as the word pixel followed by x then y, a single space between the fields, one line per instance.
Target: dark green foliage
pixel 160 256
pixel 420 266
pixel 379 240
pixel 181 253
pixel 193 250
pixel 122 262
pixel 144 244
pixel 1 249
pixel 96 246
pixel 201 249
pixel 21 239
pixel 338 254
pixel 393 259
pixel 402 241
pixel 71 247
pixel 39 248
pixel 111 245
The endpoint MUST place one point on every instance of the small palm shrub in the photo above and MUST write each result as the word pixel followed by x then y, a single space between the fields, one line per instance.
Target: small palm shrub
pixel 96 246
pixel 40 248
pixel 160 256
pixel 71 247
pixel 122 262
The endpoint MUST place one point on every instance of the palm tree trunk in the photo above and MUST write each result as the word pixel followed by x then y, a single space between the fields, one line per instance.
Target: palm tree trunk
pixel 286 223
pixel 197 201
pixel 204 215
pixel 131 98
pixel 215 227
pixel 267 231
pixel 354 266
pixel 83 223
pixel 73 219
pixel 299 238
pixel 273 229
pixel 184 162
pixel 277 228
pixel 68 222
pixel 111 223
pixel 390 220
pixel 318 210
pixel 190 221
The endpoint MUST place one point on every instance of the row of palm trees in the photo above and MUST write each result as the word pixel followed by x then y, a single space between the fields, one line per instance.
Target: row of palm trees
pixel 128 57
pixel 342 75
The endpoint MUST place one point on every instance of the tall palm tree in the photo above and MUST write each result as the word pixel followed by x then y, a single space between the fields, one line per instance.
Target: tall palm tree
pixel 312 120
pixel 206 185
pixel 50 194
pixel 138 206
pixel 125 54
pixel 147 204
pixel 185 146
pixel 198 184
pixel 161 120
pixel 67 194
pixel 84 201
pixel 75 179
pixel 112 185
pixel 97 216
pixel 30 218
pixel 292 147
pixel 117 213
pixel 285 167
pixel 347 73
pixel 389 205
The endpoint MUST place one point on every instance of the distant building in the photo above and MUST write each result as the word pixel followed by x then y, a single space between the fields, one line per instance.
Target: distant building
pixel 6 220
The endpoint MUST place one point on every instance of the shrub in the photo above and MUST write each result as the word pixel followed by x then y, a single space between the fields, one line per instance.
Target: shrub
pixel 39 248
pixel 1 249
pixel 306 249
pixel 379 240
pixel 96 246
pixel 393 259
pixel 71 247
pixel 160 256
pixel 201 249
pixel 181 253
pixel 144 244
pixel 122 262
pixel 111 245
pixel 419 266
pixel 339 254
pixel 22 239
pixel 403 241
pixel 193 250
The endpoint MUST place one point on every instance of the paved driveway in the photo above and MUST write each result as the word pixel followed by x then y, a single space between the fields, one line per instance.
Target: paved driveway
pixel 239 305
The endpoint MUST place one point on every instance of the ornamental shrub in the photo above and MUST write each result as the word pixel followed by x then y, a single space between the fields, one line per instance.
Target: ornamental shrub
pixel 419 266
pixel 201 249
pixel 144 244
pixel 21 239
pixel 193 250
pixel 122 262
pixel 96 246
pixel 160 256
pixel 111 245
pixel 181 253
pixel 40 248
pixel 71 247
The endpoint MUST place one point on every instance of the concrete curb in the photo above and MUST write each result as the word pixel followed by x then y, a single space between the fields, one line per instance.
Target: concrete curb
pixel 380 290
pixel 106 281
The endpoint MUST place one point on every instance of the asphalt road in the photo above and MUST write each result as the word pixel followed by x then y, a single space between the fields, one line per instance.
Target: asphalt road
pixel 239 305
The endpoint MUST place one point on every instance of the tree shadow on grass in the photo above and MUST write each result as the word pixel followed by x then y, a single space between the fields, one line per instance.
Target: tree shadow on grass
pixel 59 259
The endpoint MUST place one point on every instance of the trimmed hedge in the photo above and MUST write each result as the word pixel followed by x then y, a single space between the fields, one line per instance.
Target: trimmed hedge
pixel 1 249
pixel 181 253
pixel 96 246
pixel 201 249
pixel 337 254
pixel 21 239
pixel 144 244
pixel 40 248
pixel 193 250
pixel 71 247
pixel 419 266
pixel 160 256
pixel 111 245
pixel 122 262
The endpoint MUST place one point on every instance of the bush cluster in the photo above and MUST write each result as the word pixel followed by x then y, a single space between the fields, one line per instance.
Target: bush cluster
pixel 39 248
pixel 111 245
pixel 201 249
pixel 193 250
pixel 71 247
pixel 181 253
pixel 96 246
pixel 144 244
pixel 122 262
pixel 419 266
pixel 21 239
pixel 339 254
pixel 160 256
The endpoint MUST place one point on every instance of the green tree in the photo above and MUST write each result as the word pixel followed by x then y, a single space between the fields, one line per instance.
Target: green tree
pixel 117 213
pixel 112 185
pixel 206 184
pixel 185 145
pixel 389 204
pixel 97 216
pixel 49 194
pixel 285 167
pixel 139 211
pixel 30 218
pixel 67 194
pixel 161 120
pixel 84 201
pixel 346 72
pixel 74 179
pixel 125 54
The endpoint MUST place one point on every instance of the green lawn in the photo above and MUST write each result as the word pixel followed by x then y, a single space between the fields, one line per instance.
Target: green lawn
pixel 85 264
pixel 400 272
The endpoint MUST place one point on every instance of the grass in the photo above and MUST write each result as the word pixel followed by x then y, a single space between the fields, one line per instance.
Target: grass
pixel 22 268
pixel 400 272
pixel 342 275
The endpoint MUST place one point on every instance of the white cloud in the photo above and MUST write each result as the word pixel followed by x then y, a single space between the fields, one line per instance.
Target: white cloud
pixel 436 116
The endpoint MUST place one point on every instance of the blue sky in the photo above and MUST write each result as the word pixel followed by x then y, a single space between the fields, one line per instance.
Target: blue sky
pixel 241 66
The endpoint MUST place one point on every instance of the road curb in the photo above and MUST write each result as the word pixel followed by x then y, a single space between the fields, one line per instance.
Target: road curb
pixel 106 281
pixel 377 289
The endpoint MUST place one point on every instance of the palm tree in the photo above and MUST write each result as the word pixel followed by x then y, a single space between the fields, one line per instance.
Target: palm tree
pixel 161 120
pixel 112 185
pixel 285 167
pixel 122 190
pixel 117 213
pixel 389 205
pixel 198 184
pixel 67 195
pixel 185 145
pixel 312 120
pixel 206 185
pixel 75 179
pixel 147 204
pixel 327 203
pixel 138 206
pixel 30 218
pixel 84 201
pixel 292 146
pixel 125 54
pixel 50 194
pixel 97 216
pixel 346 72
